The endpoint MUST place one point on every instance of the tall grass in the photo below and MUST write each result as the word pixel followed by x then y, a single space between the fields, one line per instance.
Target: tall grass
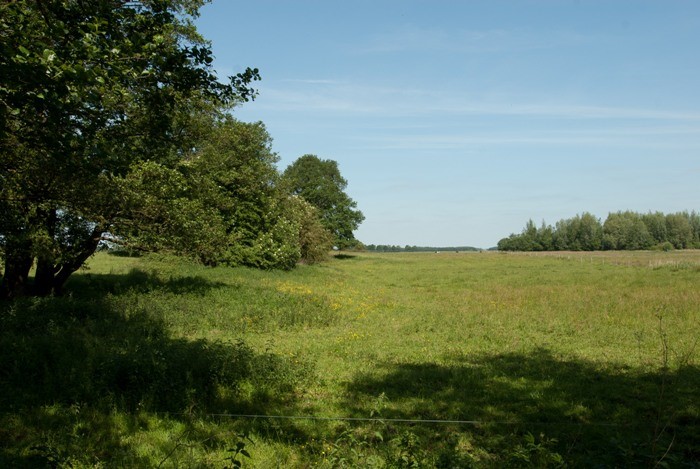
pixel 542 359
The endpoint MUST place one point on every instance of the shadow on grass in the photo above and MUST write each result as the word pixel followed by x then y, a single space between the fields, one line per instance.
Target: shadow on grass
pixel 78 374
pixel 344 257
pixel 139 281
pixel 589 415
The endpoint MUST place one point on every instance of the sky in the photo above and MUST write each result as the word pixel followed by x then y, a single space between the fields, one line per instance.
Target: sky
pixel 456 122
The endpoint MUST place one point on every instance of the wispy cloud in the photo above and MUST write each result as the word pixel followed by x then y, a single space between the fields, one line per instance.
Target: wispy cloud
pixel 337 96
pixel 573 111
pixel 468 141
pixel 312 81
pixel 415 39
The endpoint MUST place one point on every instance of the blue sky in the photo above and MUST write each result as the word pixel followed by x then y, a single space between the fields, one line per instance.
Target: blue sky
pixel 455 122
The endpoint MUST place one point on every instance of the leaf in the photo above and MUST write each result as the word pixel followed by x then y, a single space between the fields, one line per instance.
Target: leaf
pixel 49 55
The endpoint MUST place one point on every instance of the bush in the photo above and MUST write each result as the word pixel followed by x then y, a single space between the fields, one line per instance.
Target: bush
pixel 666 246
pixel 314 240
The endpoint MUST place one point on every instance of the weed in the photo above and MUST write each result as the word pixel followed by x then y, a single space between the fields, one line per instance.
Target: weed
pixel 534 452
pixel 350 451
pixel 238 450
pixel 52 456
pixel 409 452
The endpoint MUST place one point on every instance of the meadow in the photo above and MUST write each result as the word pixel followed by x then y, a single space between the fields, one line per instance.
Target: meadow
pixel 369 360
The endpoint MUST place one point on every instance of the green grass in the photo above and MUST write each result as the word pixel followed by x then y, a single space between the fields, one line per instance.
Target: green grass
pixel 583 359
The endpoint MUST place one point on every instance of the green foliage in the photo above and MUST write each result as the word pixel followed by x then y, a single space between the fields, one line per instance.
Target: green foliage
pixel 223 204
pixel 113 126
pixel 52 457
pixel 621 231
pixel 315 241
pixel 626 231
pixel 237 451
pixel 656 225
pixel 528 240
pixel 665 246
pixel 586 233
pixel 90 91
pixel 163 214
pixel 234 171
pixel 533 453
pixel 349 450
pixel 319 183
pixel 409 452
pixel 277 248
pixel 234 174
pixel 679 230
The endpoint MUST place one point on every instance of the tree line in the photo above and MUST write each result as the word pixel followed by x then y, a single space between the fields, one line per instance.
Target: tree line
pixel 409 248
pixel 620 231
pixel 115 128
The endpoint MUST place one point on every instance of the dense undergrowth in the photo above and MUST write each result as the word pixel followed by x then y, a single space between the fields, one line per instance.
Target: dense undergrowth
pixel 462 360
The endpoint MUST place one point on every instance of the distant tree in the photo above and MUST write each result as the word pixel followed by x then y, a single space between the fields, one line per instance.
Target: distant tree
pixel 319 182
pixel 679 231
pixel 656 225
pixel 621 231
pixel 626 231
pixel 561 238
pixel 525 241
pixel 545 237
pixel 507 244
pixel 529 239
pixel 694 220
pixel 586 233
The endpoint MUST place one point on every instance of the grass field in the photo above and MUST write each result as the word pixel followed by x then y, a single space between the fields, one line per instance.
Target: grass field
pixel 405 360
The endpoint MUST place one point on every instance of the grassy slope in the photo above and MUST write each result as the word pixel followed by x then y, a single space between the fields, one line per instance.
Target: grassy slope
pixel 589 358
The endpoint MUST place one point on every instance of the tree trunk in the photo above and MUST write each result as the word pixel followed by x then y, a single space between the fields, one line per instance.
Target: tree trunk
pixel 45 269
pixel 18 261
pixel 66 269
pixel 49 278
pixel 44 277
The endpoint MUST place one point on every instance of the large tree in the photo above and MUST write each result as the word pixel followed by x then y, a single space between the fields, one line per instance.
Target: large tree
pixel 319 183
pixel 93 93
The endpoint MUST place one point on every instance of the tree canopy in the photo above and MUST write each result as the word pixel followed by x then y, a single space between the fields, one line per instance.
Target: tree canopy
pixel 319 182
pixel 96 96
pixel 620 231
